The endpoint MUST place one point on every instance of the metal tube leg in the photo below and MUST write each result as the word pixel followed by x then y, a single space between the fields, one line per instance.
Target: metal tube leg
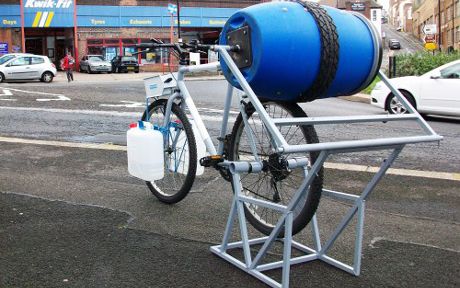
pixel 359 239
pixel 287 249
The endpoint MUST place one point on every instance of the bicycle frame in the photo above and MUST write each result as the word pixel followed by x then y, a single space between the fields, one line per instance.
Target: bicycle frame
pixel 184 94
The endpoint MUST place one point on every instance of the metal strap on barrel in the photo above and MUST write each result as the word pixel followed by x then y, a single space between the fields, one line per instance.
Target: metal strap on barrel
pixel 329 52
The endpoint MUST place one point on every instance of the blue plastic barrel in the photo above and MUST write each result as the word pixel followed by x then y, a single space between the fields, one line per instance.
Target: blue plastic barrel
pixel 286 43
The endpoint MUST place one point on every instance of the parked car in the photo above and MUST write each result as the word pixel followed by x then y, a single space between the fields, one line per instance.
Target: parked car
pixel 125 64
pixel 394 44
pixel 435 92
pixel 28 67
pixel 95 63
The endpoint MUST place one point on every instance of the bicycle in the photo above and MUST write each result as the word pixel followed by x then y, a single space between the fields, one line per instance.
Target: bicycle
pixel 252 145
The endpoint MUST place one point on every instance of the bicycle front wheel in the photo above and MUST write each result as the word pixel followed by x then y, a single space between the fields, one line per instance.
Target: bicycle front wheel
pixel 180 160
pixel 276 183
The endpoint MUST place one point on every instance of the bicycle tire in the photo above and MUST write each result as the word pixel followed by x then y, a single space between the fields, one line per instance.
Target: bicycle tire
pixel 261 218
pixel 179 172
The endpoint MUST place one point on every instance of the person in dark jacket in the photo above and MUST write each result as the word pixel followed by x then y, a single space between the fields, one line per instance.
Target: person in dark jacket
pixel 68 64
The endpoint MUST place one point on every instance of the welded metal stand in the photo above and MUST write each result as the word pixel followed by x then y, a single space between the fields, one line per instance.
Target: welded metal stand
pixel 254 265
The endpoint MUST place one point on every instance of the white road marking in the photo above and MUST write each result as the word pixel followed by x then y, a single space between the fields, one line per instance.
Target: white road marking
pixel 339 166
pixel 127 104
pixel 99 112
pixel 58 97
pixel 6 92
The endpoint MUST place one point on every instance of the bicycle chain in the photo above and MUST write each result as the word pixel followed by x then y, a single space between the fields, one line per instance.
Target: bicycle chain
pixel 329 52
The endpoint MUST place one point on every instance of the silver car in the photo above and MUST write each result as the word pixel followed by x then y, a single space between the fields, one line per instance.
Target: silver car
pixel 27 67
pixel 95 63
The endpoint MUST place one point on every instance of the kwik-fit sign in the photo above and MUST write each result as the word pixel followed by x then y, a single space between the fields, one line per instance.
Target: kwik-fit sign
pixel 48 13
pixel 64 4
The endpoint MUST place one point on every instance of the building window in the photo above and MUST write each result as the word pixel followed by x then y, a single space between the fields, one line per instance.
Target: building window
pixel 457 34
pixel 449 13
pixel 449 37
pixel 457 8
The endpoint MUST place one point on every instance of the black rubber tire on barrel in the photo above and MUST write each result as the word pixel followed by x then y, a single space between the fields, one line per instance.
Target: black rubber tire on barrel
pixel 175 185
pixel 329 52
pixel 276 184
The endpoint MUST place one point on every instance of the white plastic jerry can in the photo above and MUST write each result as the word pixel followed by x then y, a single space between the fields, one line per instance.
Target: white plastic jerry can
pixel 179 158
pixel 145 152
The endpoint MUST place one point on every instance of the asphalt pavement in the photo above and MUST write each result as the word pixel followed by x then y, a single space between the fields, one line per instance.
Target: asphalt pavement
pixel 73 217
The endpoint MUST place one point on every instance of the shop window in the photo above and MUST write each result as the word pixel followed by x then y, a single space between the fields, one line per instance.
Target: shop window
pixel 95 50
pixel 94 41
pixel 111 41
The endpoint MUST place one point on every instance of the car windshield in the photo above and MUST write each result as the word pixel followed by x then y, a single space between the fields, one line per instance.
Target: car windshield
pixel 130 58
pixel 95 58
pixel 451 71
pixel 6 58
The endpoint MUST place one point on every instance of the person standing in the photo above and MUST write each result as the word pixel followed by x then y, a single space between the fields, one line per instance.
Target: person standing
pixel 68 64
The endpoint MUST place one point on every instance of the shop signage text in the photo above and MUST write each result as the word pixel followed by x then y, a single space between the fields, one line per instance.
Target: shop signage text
pixel 358 7
pixel 139 22
pixel 183 22
pixel 97 22
pixel 217 22
pixel 7 22
pixel 49 4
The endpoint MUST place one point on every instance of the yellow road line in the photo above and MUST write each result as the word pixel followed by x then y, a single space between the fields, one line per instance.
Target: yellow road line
pixel 327 165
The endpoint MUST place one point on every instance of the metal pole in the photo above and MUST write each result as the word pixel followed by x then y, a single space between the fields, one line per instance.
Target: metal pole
pixel 75 37
pixel 23 37
pixel 439 25
pixel 178 19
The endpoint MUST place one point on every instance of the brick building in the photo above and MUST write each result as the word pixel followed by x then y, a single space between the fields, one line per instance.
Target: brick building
pixel 400 14
pixel 445 14
pixel 108 27
pixel 369 8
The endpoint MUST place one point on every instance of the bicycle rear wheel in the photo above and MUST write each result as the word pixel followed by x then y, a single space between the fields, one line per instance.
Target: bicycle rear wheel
pixel 180 160
pixel 276 183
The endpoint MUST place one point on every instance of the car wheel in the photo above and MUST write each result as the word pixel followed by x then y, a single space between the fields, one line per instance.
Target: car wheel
pixel 394 106
pixel 47 77
pixel 89 70
pixel 2 77
pixel 136 71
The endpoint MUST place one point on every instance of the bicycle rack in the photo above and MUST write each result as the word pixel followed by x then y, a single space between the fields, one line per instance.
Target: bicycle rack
pixel 253 266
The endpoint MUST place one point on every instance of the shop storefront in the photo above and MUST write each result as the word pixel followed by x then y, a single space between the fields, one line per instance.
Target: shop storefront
pixel 52 27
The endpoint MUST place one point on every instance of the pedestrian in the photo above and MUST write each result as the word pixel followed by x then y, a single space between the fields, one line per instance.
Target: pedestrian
pixel 68 64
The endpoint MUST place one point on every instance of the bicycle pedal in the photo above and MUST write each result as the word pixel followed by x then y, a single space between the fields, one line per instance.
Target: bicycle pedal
pixel 211 161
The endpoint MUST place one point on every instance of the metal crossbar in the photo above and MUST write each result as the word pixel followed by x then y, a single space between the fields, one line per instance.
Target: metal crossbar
pixel 253 266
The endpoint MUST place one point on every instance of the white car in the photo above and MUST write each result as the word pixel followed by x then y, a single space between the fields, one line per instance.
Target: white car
pixel 28 67
pixel 435 92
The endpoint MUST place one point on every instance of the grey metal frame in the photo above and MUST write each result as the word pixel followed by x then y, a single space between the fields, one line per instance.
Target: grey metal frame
pixel 251 265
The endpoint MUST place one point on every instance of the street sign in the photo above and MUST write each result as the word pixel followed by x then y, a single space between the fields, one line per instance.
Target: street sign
pixel 3 48
pixel 430 46
pixel 172 9
pixel 430 29
pixel 430 38
pixel 358 6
